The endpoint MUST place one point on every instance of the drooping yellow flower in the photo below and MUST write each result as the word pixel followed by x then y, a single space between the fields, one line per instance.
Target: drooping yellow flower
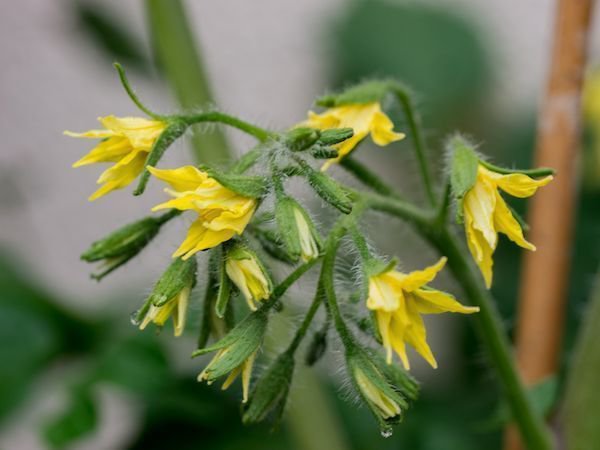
pixel 250 277
pixel 175 307
pixel 385 406
pixel 222 213
pixel 126 142
pixel 362 118
pixel 245 369
pixel 486 214
pixel 399 300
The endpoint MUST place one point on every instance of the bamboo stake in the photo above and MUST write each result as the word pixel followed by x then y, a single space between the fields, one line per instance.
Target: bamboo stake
pixel 545 274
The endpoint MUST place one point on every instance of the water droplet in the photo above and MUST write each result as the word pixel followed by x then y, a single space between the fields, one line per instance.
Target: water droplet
pixel 133 318
pixel 386 433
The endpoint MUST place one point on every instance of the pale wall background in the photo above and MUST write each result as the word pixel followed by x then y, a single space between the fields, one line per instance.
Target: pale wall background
pixel 50 81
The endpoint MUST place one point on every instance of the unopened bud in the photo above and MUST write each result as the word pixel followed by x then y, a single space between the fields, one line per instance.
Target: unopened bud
pixel 247 272
pixel 329 190
pixel 296 229
pixel 301 138
pixel 335 135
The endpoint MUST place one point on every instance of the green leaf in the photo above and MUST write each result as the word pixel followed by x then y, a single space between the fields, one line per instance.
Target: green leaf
pixel 79 418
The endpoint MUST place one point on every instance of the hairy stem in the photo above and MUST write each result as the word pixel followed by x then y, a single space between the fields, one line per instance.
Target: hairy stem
pixel 215 116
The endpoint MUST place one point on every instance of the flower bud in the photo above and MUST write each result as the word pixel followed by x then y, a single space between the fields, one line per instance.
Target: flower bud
pixel 334 136
pixel 301 138
pixel 272 243
pixel 296 229
pixel 371 380
pixel 321 152
pixel 270 393
pixel 236 351
pixel 328 190
pixel 170 296
pixel 123 244
pixel 247 272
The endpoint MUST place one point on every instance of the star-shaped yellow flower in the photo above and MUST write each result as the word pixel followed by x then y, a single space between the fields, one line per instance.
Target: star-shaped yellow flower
pixel 399 300
pixel 222 213
pixel 364 119
pixel 486 214
pixel 126 142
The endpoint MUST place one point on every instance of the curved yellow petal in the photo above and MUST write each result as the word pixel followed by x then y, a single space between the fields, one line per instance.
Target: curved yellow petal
pixel 186 178
pixel 516 184
pixel 480 250
pixel 381 294
pixel 382 129
pixel 507 224
pixel 121 174
pixel 432 301
pixel 418 278
pixel 141 132
pixel 416 335
pixel 110 150
pixel 383 324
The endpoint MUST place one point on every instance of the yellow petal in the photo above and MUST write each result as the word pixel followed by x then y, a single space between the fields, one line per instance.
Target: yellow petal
pixel 121 174
pixel 516 184
pixel 397 336
pixel 381 294
pixel 480 250
pixel 110 150
pixel 186 178
pixel 322 121
pixel 383 324
pixel 431 301
pixel 416 335
pixel 479 204
pixel 382 130
pixel 90 134
pixel 418 278
pixel 507 224
pixel 141 132
pixel 246 376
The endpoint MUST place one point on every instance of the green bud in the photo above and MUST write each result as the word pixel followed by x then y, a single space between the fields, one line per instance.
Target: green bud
pixel 174 130
pixel 301 138
pixel 328 190
pixel 321 152
pixel 316 348
pixel 463 172
pixel 296 229
pixel 123 244
pixel 223 285
pixel 170 296
pixel 373 383
pixel 272 244
pixel 365 92
pixel 246 186
pixel 335 135
pixel 237 346
pixel 270 393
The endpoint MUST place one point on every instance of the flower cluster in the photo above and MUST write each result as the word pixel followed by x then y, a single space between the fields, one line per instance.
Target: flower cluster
pixel 246 220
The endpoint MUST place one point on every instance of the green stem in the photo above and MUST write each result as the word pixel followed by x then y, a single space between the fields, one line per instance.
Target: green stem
pixel 215 116
pixel 534 432
pixel 368 178
pixel 532 428
pixel 414 124
pixel 132 95
pixel 539 172
pixel 181 61
pixel 303 329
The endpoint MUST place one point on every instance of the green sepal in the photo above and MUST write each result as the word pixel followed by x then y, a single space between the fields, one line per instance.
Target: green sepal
pixel 241 342
pixel 223 284
pixel 322 152
pixel 463 174
pixel 244 185
pixel 270 393
pixel 539 172
pixel 326 188
pixel 374 266
pixel 286 225
pixel 300 138
pixel 179 275
pixel 398 377
pixel 365 92
pixel 174 130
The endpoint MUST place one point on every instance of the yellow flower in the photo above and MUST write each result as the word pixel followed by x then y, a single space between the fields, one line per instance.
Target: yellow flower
pixel 175 307
pixel 362 118
pixel 385 406
pixel 245 369
pixel 486 214
pixel 249 276
pixel 399 300
pixel 126 142
pixel 222 213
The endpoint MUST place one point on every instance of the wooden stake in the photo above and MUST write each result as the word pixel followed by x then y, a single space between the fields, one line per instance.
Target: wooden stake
pixel 545 274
